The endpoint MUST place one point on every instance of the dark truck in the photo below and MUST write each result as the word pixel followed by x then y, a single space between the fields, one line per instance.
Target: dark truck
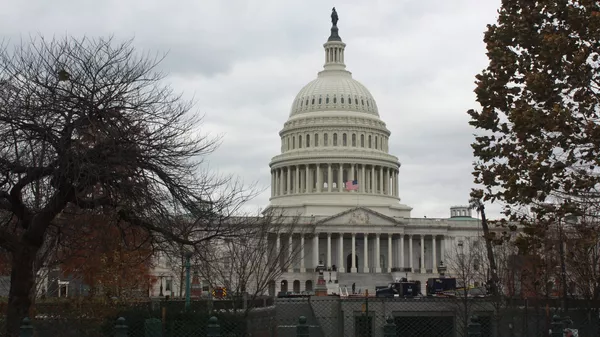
pixel 440 285
pixel 403 288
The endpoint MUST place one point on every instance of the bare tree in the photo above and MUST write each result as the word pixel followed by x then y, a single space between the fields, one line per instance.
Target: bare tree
pixel 249 264
pixel 88 123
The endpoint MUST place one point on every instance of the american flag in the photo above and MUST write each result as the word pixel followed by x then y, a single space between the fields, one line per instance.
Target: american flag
pixel 352 185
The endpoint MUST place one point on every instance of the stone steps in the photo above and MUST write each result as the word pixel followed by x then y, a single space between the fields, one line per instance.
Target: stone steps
pixel 364 281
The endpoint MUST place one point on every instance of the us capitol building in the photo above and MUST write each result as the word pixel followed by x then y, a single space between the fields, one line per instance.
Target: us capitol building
pixel 335 170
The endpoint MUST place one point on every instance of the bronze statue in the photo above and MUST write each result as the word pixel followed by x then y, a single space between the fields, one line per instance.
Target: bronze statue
pixel 334 17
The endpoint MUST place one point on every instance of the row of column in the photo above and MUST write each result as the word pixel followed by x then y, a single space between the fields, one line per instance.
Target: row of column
pixel 311 178
pixel 366 269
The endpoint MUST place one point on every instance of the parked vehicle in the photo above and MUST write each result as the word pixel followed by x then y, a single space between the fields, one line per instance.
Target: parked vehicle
pixel 402 288
pixel 440 285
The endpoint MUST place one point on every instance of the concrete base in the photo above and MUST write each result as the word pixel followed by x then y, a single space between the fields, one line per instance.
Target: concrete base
pixel 353 270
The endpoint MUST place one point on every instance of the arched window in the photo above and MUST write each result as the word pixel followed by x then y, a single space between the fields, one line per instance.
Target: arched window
pixel 344 140
pixel 319 100
pixel 376 142
pixel 362 101
pixel 334 99
pixel 316 139
pixel 362 140
pixel 342 99
pixel 307 102
pixel 327 100
pixel 369 141
pixel 355 100
pixel 300 102
pixel 381 143
pixel 367 102
pixel 293 142
pixel 307 140
pixel 353 140
pixel 325 140
pixel 335 139
pixel 299 142
pixel 313 101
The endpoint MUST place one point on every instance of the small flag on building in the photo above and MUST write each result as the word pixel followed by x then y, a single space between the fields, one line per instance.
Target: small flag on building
pixel 352 185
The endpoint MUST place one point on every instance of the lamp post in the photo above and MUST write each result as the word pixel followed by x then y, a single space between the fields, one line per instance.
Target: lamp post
pixel 188 256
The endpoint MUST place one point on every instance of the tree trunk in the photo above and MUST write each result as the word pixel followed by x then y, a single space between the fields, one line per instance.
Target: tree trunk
pixel 22 282
pixel 490 254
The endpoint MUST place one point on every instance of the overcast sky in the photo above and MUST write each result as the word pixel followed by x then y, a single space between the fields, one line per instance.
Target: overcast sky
pixel 243 61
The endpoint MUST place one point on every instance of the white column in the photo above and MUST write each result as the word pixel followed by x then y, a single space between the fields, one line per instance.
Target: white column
pixel 353 267
pixel 306 179
pixel 373 186
pixel 328 250
pixel 341 264
pixel 390 261
pixel 363 183
pixel 329 179
pixel 387 181
pixel 381 179
pixel 319 179
pixel 410 253
pixel 290 261
pixel 402 265
pixel 288 180
pixel 297 179
pixel 351 177
pixel 422 253
pixel 434 253
pixel 443 249
pixel 340 178
pixel 377 254
pixel 278 249
pixel 316 250
pixel 366 253
pixel 302 268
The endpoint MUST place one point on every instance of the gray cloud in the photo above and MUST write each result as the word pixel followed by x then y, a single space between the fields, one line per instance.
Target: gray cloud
pixel 243 61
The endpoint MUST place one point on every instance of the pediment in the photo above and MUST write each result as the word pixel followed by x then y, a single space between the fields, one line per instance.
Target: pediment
pixel 359 216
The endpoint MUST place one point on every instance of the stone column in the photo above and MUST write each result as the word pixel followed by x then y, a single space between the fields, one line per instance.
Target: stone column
pixel 341 263
pixel 377 253
pixel 390 261
pixel 329 177
pixel 443 249
pixel 341 178
pixel 279 182
pixel 297 179
pixel 402 265
pixel 422 253
pixel 434 253
pixel 302 268
pixel 290 248
pixel 328 250
pixel 288 180
pixel 373 186
pixel 319 179
pixel 410 253
pixel 387 181
pixel 363 182
pixel 307 178
pixel 381 179
pixel 353 267
pixel 366 253
pixel 316 250
pixel 276 182
pixel 351 177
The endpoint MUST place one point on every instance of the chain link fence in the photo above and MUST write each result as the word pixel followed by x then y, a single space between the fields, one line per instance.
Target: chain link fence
pixel 322 317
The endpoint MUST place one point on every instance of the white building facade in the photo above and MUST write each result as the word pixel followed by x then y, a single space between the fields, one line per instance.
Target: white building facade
pixel 335 170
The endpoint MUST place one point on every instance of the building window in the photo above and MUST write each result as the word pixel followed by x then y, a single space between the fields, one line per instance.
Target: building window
pixel 307 140
pixel 334 99
pixel 327 100
pixel 287 140
pixel 319 100
pixel 353 140
pixel 169 285
pixel 307 102
pixel 344 140
pixel 293 142
pixel 316 139
pixel 335 139
pixel 299 142
pixel 369 141
pixel 355 100
pixel 375 142
pixel 313 101
pixel 325 140
pixel 362 140
pixel 367 102
pixel 342 99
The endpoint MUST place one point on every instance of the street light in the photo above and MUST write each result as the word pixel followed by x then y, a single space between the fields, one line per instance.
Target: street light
pixel 188 256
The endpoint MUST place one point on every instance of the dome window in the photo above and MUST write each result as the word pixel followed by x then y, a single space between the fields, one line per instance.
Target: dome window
pixel 313 101
pixel 353 140
pixel 367 102
pixel 300 142
pixel 293 142
pixel 356 101
pixel 325 140
pixel 349 99
pixel 307 140
pixel 316 139
pixel 362 140
pixel 319 100
pixel 376 142
pixel 300 103
pixel 369 141
pixel 334 99
pixel 327 100
pixel 362 101
pixel 335 139
pixel 344 140
pixel 307 102
pixel 342 98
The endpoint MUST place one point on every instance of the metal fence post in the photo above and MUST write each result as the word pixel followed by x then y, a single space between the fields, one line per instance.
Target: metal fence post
pixel 120 328
pixel 213 329
pixel 302 327
pixel 389 328
pixel 474 328
pixel 26 328
pixel 557 326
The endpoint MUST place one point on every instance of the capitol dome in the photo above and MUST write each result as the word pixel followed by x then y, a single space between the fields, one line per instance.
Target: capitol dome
pixel 334 147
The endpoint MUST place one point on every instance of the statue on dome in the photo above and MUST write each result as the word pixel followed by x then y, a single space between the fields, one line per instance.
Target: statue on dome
pixel 334 17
